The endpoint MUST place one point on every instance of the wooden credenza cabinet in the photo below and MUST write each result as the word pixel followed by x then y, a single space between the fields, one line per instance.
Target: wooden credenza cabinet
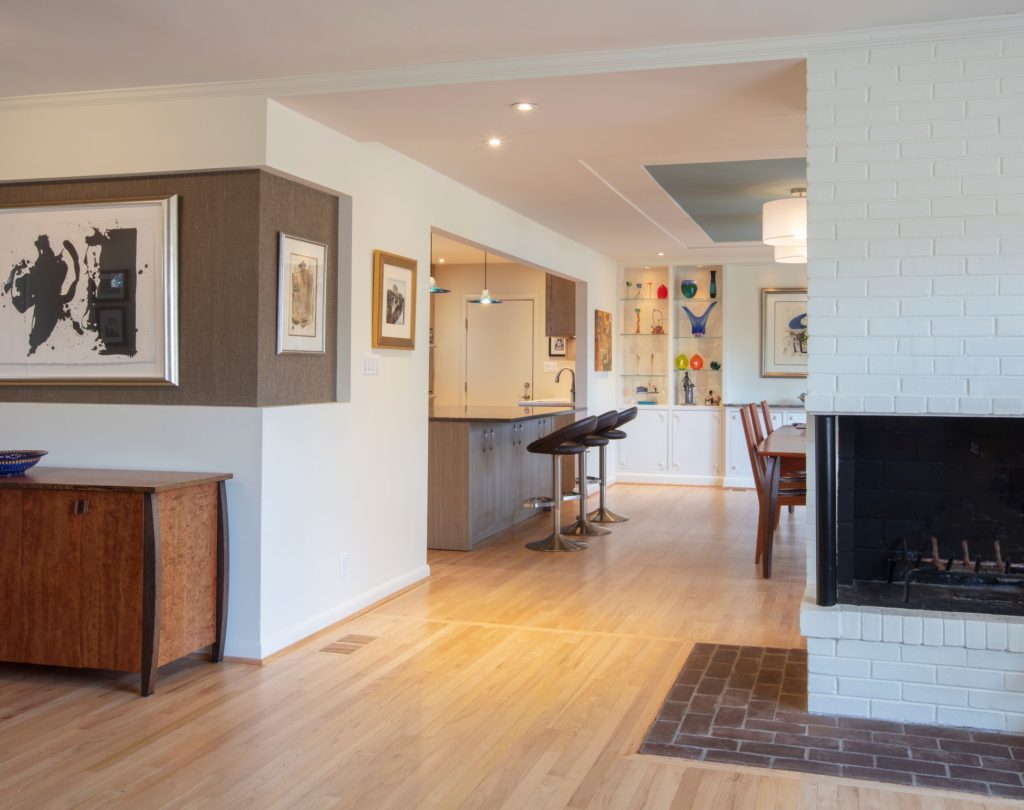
pixel 109 569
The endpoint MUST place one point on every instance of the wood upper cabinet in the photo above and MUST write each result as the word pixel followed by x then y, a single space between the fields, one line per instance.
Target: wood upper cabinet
pixel 560 307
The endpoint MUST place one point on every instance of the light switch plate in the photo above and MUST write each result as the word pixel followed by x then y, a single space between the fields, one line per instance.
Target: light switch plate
pixel 550 366
pixel 371 364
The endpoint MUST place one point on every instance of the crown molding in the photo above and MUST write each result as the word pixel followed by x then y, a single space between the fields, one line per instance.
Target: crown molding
pixel 536 67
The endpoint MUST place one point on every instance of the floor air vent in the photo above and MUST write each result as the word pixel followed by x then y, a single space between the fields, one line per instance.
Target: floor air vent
pixel 348 645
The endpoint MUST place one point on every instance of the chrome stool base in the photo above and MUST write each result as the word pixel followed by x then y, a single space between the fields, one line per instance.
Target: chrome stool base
pixel 584 529
pixel 603 515
pixel 556 542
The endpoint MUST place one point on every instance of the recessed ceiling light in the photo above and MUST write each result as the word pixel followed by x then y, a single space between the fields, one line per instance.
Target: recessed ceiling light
pixel 661 252
pixel 494 141
pixel 441 260
pixel 524 106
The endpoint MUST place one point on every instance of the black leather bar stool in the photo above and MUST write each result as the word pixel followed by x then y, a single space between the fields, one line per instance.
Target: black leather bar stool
pixel 583 525
pixel 603 514
pixel 562 442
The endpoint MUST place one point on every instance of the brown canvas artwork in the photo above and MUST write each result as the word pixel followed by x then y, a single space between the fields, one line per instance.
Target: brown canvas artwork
pixel 602 340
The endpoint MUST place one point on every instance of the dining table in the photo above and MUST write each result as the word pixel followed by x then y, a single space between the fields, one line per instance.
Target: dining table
pixel 784 449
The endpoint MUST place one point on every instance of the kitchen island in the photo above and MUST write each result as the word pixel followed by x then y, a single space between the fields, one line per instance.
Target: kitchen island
pixel 480 471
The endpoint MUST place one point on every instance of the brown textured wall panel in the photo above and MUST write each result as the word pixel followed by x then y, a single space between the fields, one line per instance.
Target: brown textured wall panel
pixel 297 210
pixel 227 288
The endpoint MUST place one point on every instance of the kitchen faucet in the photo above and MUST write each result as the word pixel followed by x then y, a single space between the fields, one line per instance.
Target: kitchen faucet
pixel 572 386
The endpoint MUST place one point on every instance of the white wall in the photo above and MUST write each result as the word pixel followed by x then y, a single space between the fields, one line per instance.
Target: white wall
pixel 741 370
pixel 504 280
pixel 162 438
pixel 915 216
pixel 312 482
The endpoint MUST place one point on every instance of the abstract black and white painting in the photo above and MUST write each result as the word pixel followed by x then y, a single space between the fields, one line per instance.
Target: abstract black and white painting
pixel 88 292
pixel 301 296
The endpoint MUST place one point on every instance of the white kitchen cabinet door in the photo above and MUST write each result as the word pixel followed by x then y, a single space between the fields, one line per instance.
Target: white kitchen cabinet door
pixel 793 417
pixel 697 444
pixel 645 448
pixel 737 457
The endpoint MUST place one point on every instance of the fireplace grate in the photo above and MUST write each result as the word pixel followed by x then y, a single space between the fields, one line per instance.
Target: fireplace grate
pixel 926 565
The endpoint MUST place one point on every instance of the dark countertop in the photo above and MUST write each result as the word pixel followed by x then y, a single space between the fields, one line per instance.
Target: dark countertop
pixel 496 413
pixel 775 406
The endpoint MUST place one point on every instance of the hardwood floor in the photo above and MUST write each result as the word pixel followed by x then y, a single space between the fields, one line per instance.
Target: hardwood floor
pixel 510 679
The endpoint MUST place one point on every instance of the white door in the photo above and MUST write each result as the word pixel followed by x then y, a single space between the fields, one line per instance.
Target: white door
pixel 499 352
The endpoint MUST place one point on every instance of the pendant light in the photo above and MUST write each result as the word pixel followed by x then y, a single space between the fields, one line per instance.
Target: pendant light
pixel 485 294
pixel 784 222
pixel 434 289
pixel 791 254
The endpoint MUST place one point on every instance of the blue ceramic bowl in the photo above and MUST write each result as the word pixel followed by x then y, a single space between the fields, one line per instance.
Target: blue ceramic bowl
pixel 15 462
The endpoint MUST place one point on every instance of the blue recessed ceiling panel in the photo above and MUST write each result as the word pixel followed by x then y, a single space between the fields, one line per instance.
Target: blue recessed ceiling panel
pixel 725 199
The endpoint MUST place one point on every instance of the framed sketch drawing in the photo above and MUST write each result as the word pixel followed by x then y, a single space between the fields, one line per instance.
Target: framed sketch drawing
pixel 89 293
pixel 602 340
pixel 556 347
pixel 394 301
pixel 301 296
pixel 784 333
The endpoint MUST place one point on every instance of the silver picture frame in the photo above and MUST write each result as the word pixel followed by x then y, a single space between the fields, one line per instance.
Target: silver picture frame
pixel 296 258
pixel 75 362
pixel 783 345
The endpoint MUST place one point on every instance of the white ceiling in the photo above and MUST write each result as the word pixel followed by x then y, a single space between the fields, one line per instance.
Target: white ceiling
pixel 576 164
pixel 68 45
pixel 445 250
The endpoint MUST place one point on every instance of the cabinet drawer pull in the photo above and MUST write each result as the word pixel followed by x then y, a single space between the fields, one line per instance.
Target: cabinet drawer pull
pixel 81 507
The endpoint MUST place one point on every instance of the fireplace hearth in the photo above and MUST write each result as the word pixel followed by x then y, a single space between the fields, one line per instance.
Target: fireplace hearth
pixel 928 513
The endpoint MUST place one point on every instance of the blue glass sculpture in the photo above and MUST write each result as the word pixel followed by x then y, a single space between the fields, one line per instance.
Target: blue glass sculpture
pixel 698 323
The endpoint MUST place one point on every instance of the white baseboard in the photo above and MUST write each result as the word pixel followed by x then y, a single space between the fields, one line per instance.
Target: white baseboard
pixel 313 624
pixel 669 478
pixel 738 482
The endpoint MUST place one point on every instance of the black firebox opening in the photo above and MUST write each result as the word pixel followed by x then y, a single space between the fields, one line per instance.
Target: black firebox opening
pixel 929 512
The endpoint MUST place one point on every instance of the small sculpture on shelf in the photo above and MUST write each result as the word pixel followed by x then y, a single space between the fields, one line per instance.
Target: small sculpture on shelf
pixel 688 388
pixel 688 287
pixel 715 365
pixel 699 323
pixel 662 291
pixel 637 311
pixel 713 287
pixel 712 398
pixel 657 322
pixel 696 362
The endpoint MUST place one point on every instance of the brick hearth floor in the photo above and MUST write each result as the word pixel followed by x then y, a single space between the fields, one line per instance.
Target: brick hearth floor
pixel 748 706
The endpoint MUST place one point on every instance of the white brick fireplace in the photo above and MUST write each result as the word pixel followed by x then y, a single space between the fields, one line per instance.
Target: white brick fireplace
pixel 916 286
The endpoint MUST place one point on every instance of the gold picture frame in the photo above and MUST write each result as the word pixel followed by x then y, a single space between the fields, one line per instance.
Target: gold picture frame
pixel 394 301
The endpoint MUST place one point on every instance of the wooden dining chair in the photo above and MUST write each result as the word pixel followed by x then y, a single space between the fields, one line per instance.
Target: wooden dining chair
pixel 791 470
pixel 790 492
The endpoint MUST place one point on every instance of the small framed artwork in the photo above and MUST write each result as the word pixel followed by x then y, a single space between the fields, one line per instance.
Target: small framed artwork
pixel 602 340
pixel 89 293
pixel 556 347
pixel 784 332
pixel 394 301
pixel 301 296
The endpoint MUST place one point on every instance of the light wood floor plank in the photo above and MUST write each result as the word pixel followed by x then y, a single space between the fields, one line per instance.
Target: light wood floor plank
pixel 510 679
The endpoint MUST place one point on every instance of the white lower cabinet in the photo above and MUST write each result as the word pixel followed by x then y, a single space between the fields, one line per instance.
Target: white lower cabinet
pixel 645 448
pixel 697 446
pixel 673 446
pixel 737 458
